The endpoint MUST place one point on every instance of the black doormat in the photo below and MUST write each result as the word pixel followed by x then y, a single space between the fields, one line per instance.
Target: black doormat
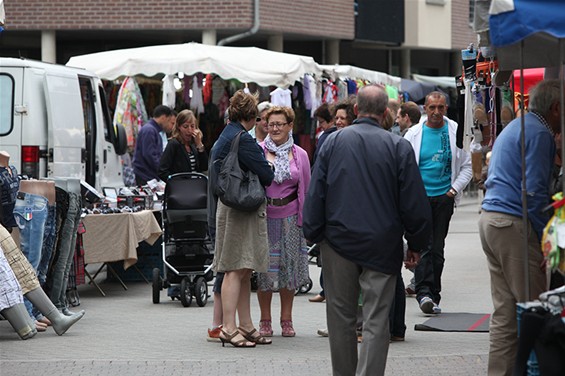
pixel 456 322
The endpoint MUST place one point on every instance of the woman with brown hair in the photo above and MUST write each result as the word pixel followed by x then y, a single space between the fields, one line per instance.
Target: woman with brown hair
pixel 185 151
pixel 343 112
pixel 241 237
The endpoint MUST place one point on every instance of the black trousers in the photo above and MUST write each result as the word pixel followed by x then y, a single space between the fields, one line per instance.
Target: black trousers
pixel 429 269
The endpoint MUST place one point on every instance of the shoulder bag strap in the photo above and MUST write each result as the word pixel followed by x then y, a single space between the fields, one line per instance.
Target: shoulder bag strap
pixel 235 143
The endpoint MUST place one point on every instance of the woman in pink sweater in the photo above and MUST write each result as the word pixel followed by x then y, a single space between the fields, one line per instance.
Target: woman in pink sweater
pixel 288 266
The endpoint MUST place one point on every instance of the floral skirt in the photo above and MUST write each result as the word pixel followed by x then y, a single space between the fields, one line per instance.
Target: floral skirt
pixel 288 256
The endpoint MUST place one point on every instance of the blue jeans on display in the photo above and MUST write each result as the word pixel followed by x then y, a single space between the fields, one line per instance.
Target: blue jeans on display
pixel 49 237
pixel 429 269
pixel 65 251
pixel 30 214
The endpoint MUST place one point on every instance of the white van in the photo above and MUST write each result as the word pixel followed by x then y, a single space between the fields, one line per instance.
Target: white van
pixel 55 123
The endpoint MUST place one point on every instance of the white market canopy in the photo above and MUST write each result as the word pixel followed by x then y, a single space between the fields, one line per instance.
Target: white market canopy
pixel 445 81
pixel 349 71
pixel 246 64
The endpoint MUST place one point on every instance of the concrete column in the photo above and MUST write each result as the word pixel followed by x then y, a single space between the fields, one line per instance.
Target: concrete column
pixel 209 37
pixel 275 43
pixel 405 64
pixel 456 64
pixel 48 46
pixel 332 51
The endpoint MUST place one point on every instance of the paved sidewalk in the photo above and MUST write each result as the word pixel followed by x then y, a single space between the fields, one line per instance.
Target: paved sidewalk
pixel 125 334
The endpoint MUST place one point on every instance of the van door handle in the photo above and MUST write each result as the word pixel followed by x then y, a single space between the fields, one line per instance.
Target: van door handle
pixel 105 156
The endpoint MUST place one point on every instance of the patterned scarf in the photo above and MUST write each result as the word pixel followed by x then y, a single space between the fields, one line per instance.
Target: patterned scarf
pixel 282 165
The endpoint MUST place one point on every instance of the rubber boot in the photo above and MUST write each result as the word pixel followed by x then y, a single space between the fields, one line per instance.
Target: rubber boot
pixel 18 317
pixel 61 323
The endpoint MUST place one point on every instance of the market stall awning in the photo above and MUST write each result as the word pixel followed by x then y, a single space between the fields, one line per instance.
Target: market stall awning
pixel 443 81
pixel 246 64
pixel 417 91
pixel 349 71
pixel 538 24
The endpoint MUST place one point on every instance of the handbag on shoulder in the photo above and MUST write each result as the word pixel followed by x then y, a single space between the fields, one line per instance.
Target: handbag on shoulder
pixel 236 188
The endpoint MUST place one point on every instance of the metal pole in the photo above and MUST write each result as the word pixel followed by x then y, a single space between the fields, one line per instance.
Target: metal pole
pixel 562 107
pixel 524 190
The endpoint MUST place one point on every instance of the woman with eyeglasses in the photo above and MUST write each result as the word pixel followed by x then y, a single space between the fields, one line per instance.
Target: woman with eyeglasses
pixel 185 151
pixel 288 257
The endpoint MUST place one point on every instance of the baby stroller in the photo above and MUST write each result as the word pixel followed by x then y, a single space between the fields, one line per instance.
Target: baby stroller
pixel 187 248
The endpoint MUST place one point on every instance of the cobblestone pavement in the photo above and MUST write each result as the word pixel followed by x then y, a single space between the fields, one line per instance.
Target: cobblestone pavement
pixel 124 333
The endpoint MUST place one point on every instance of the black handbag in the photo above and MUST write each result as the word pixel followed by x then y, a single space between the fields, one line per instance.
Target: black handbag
pixel 236 188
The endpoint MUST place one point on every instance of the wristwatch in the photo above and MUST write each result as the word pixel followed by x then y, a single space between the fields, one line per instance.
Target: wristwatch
pixel 453 192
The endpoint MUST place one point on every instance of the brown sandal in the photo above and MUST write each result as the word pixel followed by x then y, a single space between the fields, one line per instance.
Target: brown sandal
pixel 251 337
pixel 225 337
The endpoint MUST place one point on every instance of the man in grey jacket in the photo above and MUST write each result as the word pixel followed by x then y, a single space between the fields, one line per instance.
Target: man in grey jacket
pixel 365 194
pixel 446 171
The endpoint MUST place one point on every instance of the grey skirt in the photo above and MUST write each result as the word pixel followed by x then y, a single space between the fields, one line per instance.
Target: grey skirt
pixel 241 239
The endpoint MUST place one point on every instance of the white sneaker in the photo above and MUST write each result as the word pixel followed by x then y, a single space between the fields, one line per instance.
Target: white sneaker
pixel 323 332
pixel 427 305
pixel 436 309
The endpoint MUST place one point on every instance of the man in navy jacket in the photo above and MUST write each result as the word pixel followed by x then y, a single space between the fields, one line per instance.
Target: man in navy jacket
pixel 149 145
pixel 366 193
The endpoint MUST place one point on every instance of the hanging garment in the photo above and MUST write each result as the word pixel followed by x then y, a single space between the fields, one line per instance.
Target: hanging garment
pixel 76 275
pixel 207 89
pixel 30 213
pixel 49 238
pixel 352 87
pixel 330 92
pixel 196 103
pixel 342 91
pixel 468 120
pixel 169 91
pixel 9 184
pixel 10 290
pixel 391 91
pixel 307 92
pixel 130 110
pixel 281 97
pixel 218 90
pixel 223 104
pixel 65 251
pixel 186 84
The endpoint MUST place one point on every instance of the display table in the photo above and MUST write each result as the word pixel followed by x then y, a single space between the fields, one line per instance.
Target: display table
pixel 115 237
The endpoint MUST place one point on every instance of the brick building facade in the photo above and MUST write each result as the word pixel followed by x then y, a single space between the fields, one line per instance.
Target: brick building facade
pixel 309 27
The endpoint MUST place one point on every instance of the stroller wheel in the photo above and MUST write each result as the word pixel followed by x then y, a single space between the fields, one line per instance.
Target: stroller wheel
pixel 185 293
pixel 307 286
pixel 156 285
pixel 201 291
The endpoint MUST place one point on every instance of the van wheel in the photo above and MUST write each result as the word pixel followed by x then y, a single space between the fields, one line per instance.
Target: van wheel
pixel 121 142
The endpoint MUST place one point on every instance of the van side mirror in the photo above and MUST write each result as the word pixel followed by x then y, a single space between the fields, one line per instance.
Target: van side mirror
pixel 120 141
